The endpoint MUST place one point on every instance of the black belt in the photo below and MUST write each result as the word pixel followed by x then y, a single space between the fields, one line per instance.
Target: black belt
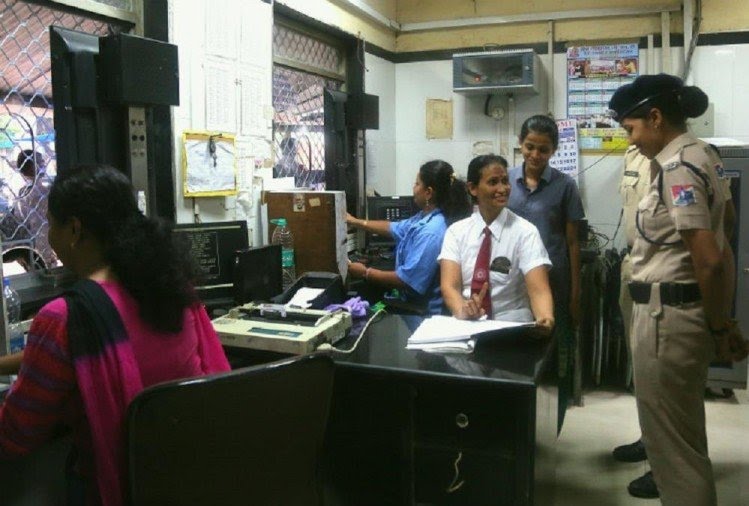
pixel 672 294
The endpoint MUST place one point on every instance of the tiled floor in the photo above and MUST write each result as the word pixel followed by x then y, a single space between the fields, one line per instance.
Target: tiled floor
pixel 587 475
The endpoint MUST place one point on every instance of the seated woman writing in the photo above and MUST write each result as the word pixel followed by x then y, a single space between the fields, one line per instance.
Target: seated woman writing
pixel 494 263
pixel 442 200
pixel 130 321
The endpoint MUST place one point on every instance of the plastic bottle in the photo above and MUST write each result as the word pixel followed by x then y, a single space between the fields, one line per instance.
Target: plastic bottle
pixel 13 308
pixel 282 235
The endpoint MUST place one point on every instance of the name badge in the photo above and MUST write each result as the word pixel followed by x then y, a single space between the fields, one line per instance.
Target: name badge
pixel 501 265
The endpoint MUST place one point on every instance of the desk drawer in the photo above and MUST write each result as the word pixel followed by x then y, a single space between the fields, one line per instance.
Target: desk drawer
pixel 469 418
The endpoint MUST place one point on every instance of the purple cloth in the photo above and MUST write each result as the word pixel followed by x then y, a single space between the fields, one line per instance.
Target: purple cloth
pixel 355 305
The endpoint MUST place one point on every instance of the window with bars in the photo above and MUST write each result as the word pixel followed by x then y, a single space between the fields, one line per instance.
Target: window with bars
pixel 27 137
pixel 303 66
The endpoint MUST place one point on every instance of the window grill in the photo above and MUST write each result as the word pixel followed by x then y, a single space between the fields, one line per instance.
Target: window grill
pixel 26 124
pixel 303 67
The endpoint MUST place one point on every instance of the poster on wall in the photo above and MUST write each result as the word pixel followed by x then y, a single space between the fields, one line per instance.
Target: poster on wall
pixel 593 75
pixel 566 158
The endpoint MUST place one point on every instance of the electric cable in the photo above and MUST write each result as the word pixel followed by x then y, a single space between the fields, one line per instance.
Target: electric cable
pixel 358 339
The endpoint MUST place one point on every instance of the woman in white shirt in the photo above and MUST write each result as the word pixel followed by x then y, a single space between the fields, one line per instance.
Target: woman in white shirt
pixel 496 254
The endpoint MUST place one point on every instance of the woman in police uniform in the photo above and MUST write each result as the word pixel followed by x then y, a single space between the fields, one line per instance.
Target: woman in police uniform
pixel 679 283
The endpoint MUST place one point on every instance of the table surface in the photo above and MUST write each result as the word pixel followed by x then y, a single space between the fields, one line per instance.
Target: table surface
pixel 513 357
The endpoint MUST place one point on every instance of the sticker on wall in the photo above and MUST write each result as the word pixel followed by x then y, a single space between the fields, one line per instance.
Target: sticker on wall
pixel 482 148
pixel 298 203
pixel 439 120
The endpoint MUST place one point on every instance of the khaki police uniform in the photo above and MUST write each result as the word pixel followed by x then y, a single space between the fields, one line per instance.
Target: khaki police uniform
pixel 634 186
pixel 671 344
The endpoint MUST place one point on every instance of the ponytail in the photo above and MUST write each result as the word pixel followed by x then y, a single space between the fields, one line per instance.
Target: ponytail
pixel 450 193
pixel 155 270
pixel 458 204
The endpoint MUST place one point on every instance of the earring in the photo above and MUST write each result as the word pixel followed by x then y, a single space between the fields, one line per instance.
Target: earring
pixel 427 203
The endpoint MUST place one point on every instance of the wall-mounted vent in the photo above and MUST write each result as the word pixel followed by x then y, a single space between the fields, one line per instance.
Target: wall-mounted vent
pixel 497 72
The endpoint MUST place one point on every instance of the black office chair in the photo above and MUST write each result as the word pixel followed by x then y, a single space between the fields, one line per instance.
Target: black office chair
pixel 251 436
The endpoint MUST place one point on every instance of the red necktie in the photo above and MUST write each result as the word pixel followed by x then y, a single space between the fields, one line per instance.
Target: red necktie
pixel 481 271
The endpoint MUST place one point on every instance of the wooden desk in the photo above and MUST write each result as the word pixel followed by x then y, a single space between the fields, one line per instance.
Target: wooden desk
pixel 400 420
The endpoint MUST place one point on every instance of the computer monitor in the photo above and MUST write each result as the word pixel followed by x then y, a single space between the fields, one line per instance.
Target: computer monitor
pixel 391 208
pixel 257 274
pixel 214 247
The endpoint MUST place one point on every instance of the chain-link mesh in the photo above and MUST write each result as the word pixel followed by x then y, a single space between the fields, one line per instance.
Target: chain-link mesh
pixel 298 136
pixel 27 138
pixel 305 50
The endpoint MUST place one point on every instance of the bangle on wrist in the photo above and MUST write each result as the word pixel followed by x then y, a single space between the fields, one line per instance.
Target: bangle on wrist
pixel 365 223
pixel 366 273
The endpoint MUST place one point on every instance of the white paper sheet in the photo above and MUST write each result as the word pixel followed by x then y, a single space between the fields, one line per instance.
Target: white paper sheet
pixel 220 98
pixel 445 347
pixel 221 29
pixel 443 329
pixel 253 98
pixel 304 296
pixel 204 174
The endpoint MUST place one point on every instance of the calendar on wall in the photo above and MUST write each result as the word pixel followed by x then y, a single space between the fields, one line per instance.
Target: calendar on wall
pixel 593 75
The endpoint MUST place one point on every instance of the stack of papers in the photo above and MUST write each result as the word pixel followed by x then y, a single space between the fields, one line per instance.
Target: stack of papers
pixel 448 334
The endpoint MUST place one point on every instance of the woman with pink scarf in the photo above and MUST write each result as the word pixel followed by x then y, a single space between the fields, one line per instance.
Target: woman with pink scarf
pixel 131 320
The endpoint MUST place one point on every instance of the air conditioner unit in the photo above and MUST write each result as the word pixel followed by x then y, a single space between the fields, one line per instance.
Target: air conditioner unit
pixel 497 72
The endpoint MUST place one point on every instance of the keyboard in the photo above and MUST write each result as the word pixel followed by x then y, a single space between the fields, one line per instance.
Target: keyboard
pixel 363 258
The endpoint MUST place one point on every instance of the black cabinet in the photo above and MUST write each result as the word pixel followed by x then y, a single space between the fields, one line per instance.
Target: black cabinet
pixel 412 428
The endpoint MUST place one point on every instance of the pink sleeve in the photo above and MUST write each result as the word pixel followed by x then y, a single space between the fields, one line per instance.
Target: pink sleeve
pixel 210 350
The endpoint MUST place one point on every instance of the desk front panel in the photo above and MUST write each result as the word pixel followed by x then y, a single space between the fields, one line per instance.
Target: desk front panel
pixel 398 440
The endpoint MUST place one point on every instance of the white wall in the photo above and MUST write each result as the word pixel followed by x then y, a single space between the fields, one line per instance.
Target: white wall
pixel 379 79
pixel 417 82
pixel 722 72
pixel 728 89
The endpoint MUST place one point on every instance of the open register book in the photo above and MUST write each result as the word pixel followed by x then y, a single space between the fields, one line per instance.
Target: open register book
pixel 445 333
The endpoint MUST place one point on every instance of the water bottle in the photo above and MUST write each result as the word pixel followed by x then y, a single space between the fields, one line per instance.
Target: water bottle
pixel 13 308
pixel 282 235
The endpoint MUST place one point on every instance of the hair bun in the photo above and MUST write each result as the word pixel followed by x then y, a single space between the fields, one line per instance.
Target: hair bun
pixel 694 101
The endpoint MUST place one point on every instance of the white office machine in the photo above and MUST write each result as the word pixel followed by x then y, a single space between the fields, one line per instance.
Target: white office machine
pixel 278 328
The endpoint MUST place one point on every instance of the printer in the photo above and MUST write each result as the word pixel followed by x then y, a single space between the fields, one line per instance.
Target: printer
pixel 282 329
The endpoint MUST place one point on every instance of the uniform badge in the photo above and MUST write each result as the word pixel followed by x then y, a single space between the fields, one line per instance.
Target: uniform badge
pixel 671 166
pixel 682 195
pixel 501 265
